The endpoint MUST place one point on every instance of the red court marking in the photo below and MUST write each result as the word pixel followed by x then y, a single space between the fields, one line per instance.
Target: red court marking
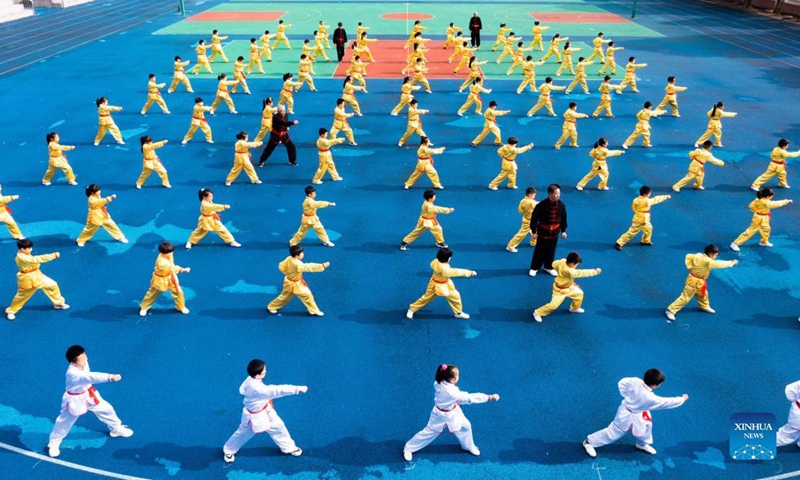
pixel 391 58
pixel 407 16
pixel 236 17
pixel 578 18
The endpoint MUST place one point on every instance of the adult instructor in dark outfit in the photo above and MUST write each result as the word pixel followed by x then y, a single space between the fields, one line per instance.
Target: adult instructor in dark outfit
pixel 475 26
pixel 340 39
pixel 548 221
pixel 280 134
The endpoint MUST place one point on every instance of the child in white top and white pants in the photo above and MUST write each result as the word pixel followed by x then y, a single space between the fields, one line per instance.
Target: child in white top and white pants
pixel 790 433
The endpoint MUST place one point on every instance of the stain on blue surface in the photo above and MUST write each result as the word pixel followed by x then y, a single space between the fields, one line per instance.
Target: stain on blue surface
pixel 712 457
pixel 458 151
pixel 134 132
pixel 351 152
pixel 471 121
pixel 56 124
pixel 243 287
pixel 172 467
pixel 36 431
pixel 470 333
pixel 359 132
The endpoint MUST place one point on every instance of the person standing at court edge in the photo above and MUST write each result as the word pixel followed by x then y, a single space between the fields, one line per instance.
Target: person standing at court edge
pixel 475 26
pixel 340 39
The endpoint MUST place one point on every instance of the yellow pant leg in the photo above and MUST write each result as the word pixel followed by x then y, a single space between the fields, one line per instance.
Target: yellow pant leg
pixel 101 132
pixel 496 132
pixel 452 56
pixel 598 54
pixel 235 171
pixel 229 103
pixel 224 234
pixel 551 307
pixel 438 233
pixel 19 300
pixel 197 235
pixel 461 63
pixel 454 300
pixel 334 131
pixel 324 55
pixel 250 171
pixel 328 43
pixel 173 85
pixel 143 176
pixel 413 178
pixel 308 301
pixel 647 233
pixel 301 234
pixel 504 174
pixel 149 298
pixel 466 105
pixel 267 52
pixel 689 291
pixel 321 233
pixel 717 132
pixel 521 234
pixel 482 135
pixel 189 134
pixel 88 232
pixel 525 82
pixel 147 105
pixel 539 104
pixel 12 226
pixel 162 173
pixel 281 301
pixel 418 230
pixel 603 173
pixel 565 134
pixel 625 82
pixel 215 104
pixel 114 130
pixel 589 176
pixel 399 107
pixel 433 175
pixel 466 83
pixel 111 227
pixel 537 42
pixel 496 43
pixel 349 135
pixel 626 237
pixel 637 132
pixel 584 85
pixel 356 107
pixel 161 103
pixel 547 55
pixel 605 104
pixel 764 231
pixel 407 135
pixel 422 301
pixel 698 180
pixel 262 132
pixel 243 83
pixel 332 170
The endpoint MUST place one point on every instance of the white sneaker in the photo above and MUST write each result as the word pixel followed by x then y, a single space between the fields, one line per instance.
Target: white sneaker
pixel 138 187
pixel 73 183
pixel 338 179
pixel 676 189
pixel 235 244
pixel 46 184
pixel 317 182
pixel 272 311
pixel 143 312
pixel 407 456
pixel 492 188
pixel 63 306
pixel 53 449
pixel 227 184
pixel 537 317
pixel 228 458
pixel 753 188
pixel 603 188
pixel 409 314
pixel 295 453
pixel 462 316
pixel 735 247
pixel 670 316
pixel 699 188
pixel 784 186
pixel 96 144
pixel 185 311
pixel 511 249
pixel 646 448
pixel 475 451
pixel 707 310
pixel 624 147
pixel 589 449
pixel 188 245
pixel 328 244
pixel 81 244
pixel 577 310
pixel 168 186
pixel 123 240
pixel 121 431
pixel 578 187
pixel 184 142
pixel 532 273
pixel 318 313
pixel 696 145
pixel 406 187
pixel 11 316
pixel 551 272
pixel 763 244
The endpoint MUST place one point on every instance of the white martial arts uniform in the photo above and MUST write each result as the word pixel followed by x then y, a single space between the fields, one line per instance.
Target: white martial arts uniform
pixel 259 416
pixel 446 411
pixel 81 397
pixel 634 413
pixel 790 433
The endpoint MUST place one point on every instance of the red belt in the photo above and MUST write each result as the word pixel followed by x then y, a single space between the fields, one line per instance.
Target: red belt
pixel 571 121
pixel 200 118
pixel 8 210
pixel 173 279
pixel 104 209
pixel 287 90
pixel 325 150
pixel 645 211
pixel 151 159
pixel 29 271
pixel 299 280
pixel 797 403
pixel 782 162
pixel 431 218
pixel 105 114
pixel 443 410
pixel 762 214
pixel 155 93
pixel 243 153
pixel 703 164
pixel 508 159
pixel 92 393
pixel 430 159
pixel 308 214
pixel 441 283
pixel 214 215
pixel 268 404
pixel 550 227
pixel 564 287
pixel 280 134
pixel 704 289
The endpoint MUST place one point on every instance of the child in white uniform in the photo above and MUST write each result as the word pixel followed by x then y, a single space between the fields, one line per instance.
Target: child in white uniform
pixel 790 433
pixel 634 413
pixel 81 397
pixel 447 400
pixel 258 414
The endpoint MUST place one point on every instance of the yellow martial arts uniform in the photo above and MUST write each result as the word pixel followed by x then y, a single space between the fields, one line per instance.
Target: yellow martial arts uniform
pixel 287 96
pixel 154 96
pixel 569 129
pixel 519 59
pixel 224 95
pixel 255 58
pixel 5 216
pixel 349 97
pixel 641 220
pixel 202 59
pixel 58 160
pixel 326 159
pixel 241 161
pixel 544 99
pixel 450 33
pixel 266 122
pixel 238 74
pixel 179 76
pixel 304 72
pixel 340 124
pixel 419 76
pixel 715 126
pixel 642 128
pixel 266 50
pixel 357 70
pixel 199 121
pixel 630 76
pixel 490 126
pixel 106 124
pixel 610 64
pixel 363 47
pixel 564 287
pixel 323 30
pixel 360 29
pixel 441 285
pixel 216 48
pixel 411 60
pixel 605 100
pixel 210 221
pixel 307 49
pixel 697 168
pixel 165 278
pixel 310 220
pixel 319 47
pixel 699 266
pixel 414 124
pixel 501 37
pixel 151 163
pixel 598 49
pixel 554 49
pixel 99 217
pixel 417 28
pixel 474 72
pixel 526 206
pixel 293 284
pixel 529 72
pixel 566 61
pixel 425 165
pixel 599 167
pixel 405 97
pixel 280 36
pixel 508 48
pixel 427 221
pixel 474 97
pixel 580 77
pixel 466 53
pixel 671 98
pixel 30 279
pixel 508 165
pixel 537 37
pixel 761 216
pixel 777 167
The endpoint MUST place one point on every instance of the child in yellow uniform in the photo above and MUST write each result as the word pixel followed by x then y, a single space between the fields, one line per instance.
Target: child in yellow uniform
pixel 508 167
pixel 340 123
pixel 106 123
pixel 415 29
pixel 697 167
pixel 266 50
pixel 671 97
pixel 419 75
pixel 360 28
pixel 642 128
pixel 179 76
pixel 508 47
pixel 293 284
pixel 151 162
pixel 544 97
pixel 569 129
pixel 529 72
pixel 255 57
pixel 490 124
pixel 241 160
pixel 154 96
pixel 198 121
pixel 357 70
pixel 537 31
pixel 630 75
pixel 566 59
pixel 419 51
pixel 310 220
pixel 58 160
pixel 777 166
pixel 223 94
pixel 363 43
pixel 405 95
pixel 280 36
pixel 474 97
pixel 715 116
pixel 165 278
pixel 641 218
pixel 525 207
pixel 30 279
pixel 598 47
pixel 553 49
pixel 605 98
pixel 501 36
pixel 519 57
pixel 323 30
pixel 610 64
pixel 599 154
pixel 5 215
pixel 238 74
pixel 202 58
pixel 564 285
pixel 99 217
pixel 304 72
pixel 474 72
pixel 216 47
pixel 307 49
pixel 699 266
pixel 414 123
pixel 326 164
pixel 466 54
pixel 209 221
pixel 266 119
pixel 427 221
pixel 580 76
pixel 286 95
pixel 441 285
pixel 450 33
pixel 348 95
pixel 425 164
pixel 319 46
pixel 760 207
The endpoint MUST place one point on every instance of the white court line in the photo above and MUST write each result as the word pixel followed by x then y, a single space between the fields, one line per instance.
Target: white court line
pixel 62 463
pixel 781 477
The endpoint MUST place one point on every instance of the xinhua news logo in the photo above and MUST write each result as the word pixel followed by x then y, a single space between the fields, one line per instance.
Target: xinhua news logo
pixel 753 436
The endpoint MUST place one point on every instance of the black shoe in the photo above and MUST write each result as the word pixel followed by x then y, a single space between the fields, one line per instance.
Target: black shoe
pixel 618 247
pixel 647 244
pixel 441 245
pixel 260 164
pixel 403 246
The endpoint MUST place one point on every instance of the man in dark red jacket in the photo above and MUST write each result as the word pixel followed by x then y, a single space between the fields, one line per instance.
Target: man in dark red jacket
pixel 280 134
pixel 475 26
pixel 340 39
pixel 548 222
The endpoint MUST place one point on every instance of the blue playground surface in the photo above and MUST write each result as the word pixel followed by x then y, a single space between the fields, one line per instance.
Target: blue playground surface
pixel 370 370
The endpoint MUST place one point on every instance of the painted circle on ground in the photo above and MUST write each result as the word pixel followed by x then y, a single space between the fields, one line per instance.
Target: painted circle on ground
pixel 407 16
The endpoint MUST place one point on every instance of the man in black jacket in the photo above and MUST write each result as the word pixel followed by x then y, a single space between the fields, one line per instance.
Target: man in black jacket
pixel 475 27
pixel 340 39
pixel 548 220
pixel 280 134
